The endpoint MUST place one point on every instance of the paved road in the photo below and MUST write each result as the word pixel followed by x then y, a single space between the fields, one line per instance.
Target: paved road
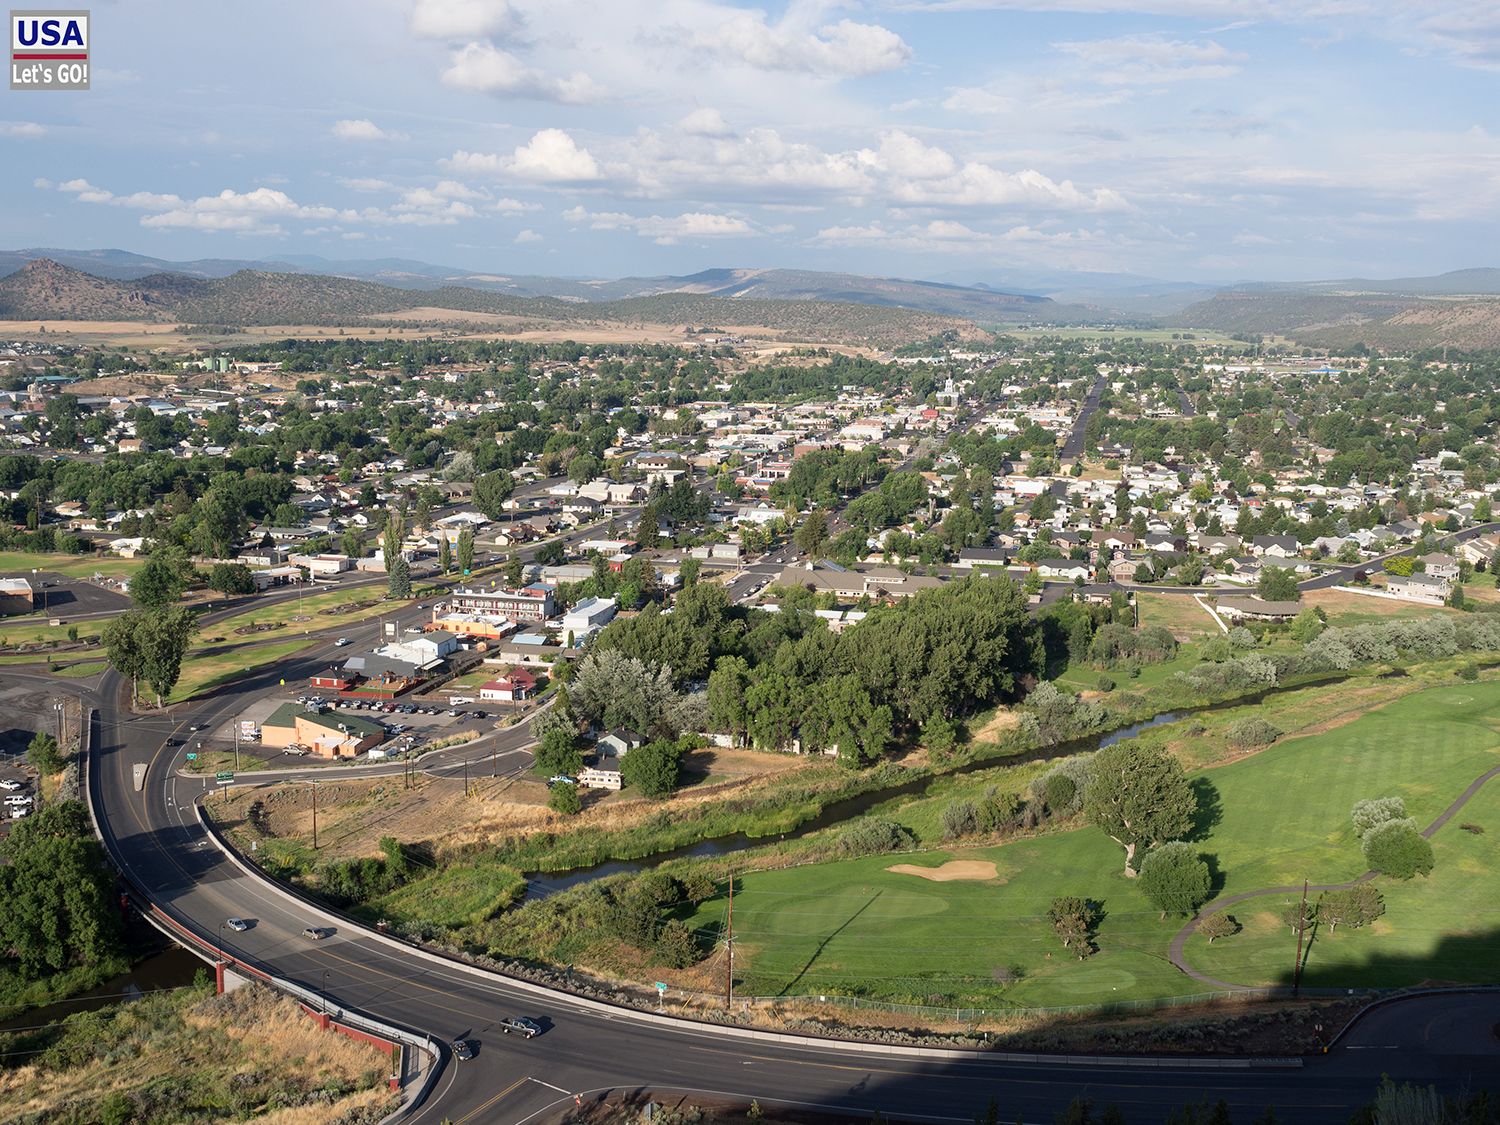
pixel 164 853
pixel 1073 447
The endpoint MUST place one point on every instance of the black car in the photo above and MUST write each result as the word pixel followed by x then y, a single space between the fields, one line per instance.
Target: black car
pixel 522 1026
pixel 463 1050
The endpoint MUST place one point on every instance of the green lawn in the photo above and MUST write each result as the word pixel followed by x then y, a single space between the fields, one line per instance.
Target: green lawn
pixel 22 563
pixel 283 612
pixel 25 630
pixel 207 668
pixel 856 928
pixel 1085 677
pixel 1445 927
pixel 455 897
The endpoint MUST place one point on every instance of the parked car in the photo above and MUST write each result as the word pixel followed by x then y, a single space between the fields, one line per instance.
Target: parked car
pixel 18 811
pixel 238 925
pixel 10 784
pixel 317 933
pixel 521 1025
pixel 463 1050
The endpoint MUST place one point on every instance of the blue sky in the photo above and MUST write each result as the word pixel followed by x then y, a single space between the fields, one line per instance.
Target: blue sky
pixel 960 139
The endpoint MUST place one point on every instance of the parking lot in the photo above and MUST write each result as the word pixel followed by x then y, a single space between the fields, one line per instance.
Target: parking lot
pixel 57 595
pixel 411 725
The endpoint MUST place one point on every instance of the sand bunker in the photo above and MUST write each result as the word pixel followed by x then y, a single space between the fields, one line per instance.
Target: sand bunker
pixel 951 871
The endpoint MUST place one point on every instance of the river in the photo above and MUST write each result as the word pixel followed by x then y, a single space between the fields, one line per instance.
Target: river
pixel 173 967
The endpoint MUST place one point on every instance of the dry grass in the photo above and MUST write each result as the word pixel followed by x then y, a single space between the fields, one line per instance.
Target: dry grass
pixel 201 1050
pixel 1180 613
pixel 1345 608
pixel 353 815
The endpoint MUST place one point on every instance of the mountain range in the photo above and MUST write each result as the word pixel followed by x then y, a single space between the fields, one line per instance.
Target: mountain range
pixel 1459 308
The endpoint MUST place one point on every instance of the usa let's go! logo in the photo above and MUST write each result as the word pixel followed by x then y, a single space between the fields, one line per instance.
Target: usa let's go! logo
pixel 49 50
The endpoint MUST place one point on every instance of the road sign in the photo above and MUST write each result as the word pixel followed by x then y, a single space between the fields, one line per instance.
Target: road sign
pixel 660 987
pixel 192 757
pixel 224 777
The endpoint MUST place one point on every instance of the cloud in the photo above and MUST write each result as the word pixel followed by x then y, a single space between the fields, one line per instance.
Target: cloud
pixel 26 129
pixel 440 205
pixel 462 19
pixel 665 230
pixel 253 212
pixel 705 122
pixel 1138 60
pixel 364 183
pixel 945 236
pixel 486 69
pixel 552 156
pixel 363 129
pixel 142 200
pixel 841 50
pixel 528 235
pixel 508 206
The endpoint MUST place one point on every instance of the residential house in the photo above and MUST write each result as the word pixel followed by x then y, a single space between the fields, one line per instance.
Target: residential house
pixel 1422 588
pixel 516 686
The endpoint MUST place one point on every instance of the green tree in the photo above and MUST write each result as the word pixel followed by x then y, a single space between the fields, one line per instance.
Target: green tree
pixel 159 582
pixel 1139 797
pixel 391 544
pixel 1218 925
pixel 164 638
pixel 465 549
pixel 231 579
pixel 221 521
pixel 58 893
pixel 398 579
pixel 1355 907
pixel 445 555
pixel 812 536
pixel 563 798
pixel 491 491
pixel 1397 849
pixel 648 529
pixel 727 709
pixel 1175 878
pixel 352 543
pixel 557 754
pixel 1277 584
pixel 653 768
pixel 1073 920
pixel 124 647
pixel 44 753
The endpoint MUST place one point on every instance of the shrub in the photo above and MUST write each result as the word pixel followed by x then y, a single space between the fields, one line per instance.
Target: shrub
pixel 873 836
pixel 564 799
pixel 1052 791
pixel 1175 878
pixel 1249 733
pixel 1218 925
pixel 1106 684
pixel 1397 849
pixel 1375 812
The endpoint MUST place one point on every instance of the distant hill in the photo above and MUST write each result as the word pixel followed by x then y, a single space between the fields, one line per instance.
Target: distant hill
pixel 46 290
pixel 1392 321
pixel 983 303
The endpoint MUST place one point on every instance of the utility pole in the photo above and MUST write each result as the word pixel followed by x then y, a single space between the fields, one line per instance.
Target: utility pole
pixel 315 817
pixel 236 726
pixel 1301 926
pixel 466 777
pixel 729 948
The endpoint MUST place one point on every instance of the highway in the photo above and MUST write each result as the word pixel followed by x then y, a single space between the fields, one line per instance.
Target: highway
pixel 164 853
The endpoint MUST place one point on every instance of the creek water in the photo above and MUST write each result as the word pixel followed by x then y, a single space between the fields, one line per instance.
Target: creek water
pixel 173 967
pixel 540 885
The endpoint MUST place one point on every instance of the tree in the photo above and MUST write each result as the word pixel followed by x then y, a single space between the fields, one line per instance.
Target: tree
pixel 394 538
pixel 445 555
pixel 812 536
pixel 1277 584
pixel 491 491
pixel 352 542
pixel 159 582
pixel 1357 906
pixel 1397 849
pixel 652 768
pixel 557 754
pixel 123 647
pixel 1297 917
pixel 221 521
pixel 58 892
pixel 1073 921
pixel 727 685
pixel 465 549
pixel 44 753
pixel 648 528
pixel 584 468
pixel 231 579
pixel 164 638
pixel 1139 797
pixel 564 799
pixel 1218 925
pixel 1374 812
pixel 398 580
pixel 1175 878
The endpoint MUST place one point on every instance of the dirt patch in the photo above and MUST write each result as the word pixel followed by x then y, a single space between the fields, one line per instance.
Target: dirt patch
pixel 954 870
pixel 1001 721
pixel 263 627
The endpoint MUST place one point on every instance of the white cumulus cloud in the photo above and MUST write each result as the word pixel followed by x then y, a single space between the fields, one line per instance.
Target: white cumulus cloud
pixel 363 129
pixel 462 19
pixel 841 50
pixel 487 69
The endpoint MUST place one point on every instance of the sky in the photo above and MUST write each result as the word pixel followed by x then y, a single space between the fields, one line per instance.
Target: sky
pixel 960 140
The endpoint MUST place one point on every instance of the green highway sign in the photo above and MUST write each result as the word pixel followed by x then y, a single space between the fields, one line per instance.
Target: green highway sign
pixel 192 757
pixel 224 776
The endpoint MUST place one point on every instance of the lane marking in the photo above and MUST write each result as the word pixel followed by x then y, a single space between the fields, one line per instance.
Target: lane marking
pixel 473 1113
